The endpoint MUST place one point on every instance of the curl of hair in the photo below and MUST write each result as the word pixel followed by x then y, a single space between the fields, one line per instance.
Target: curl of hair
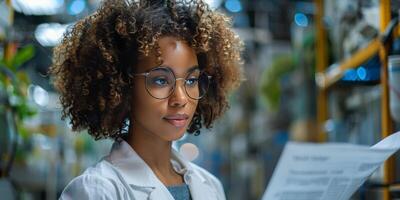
pixel 93 64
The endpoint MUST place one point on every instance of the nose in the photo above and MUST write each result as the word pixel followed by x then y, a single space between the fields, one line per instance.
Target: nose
pixel 178 98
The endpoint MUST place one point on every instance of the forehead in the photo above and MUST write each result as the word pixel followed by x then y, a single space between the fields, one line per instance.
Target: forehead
pixel 175 54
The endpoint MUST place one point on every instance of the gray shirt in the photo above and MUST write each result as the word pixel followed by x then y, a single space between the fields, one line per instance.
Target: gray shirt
pixel 180 192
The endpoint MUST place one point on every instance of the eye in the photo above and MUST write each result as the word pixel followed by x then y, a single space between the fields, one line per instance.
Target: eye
pixel 160 81
pixel 192 81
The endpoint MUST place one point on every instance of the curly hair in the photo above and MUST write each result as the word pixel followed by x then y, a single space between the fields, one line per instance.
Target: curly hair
pixel 93 64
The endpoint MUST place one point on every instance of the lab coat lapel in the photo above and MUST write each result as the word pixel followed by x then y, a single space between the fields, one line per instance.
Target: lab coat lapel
pixel 141 178
pixel 200 189
pixel 133 169
pixel 137 173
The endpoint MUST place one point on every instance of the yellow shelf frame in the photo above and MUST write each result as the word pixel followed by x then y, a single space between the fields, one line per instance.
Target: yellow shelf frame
pixel 321 63
pixel 325 79
pixel 328 78
pixel 389 167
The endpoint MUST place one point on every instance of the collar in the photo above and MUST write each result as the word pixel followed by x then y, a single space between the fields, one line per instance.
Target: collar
pixel 136 172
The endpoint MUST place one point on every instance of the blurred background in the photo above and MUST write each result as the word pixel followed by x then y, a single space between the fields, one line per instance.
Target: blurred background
pixel 317 71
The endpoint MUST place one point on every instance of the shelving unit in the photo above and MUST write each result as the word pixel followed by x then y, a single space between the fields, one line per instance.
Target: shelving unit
pixel 327 78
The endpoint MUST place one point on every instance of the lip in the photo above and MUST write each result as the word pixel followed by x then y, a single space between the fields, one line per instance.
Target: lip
pixel 177 120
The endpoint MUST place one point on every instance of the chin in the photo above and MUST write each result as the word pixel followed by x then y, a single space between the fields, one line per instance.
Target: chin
pixel 174 135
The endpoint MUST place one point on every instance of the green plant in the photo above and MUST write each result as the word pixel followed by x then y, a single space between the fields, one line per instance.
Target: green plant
pixel 15 83
pixel 14 106
pixel 270 80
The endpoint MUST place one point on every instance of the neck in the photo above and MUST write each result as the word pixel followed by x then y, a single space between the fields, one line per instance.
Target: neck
pixel 153 150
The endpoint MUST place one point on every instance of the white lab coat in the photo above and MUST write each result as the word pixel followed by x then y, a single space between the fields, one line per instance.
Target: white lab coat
pixel 124 175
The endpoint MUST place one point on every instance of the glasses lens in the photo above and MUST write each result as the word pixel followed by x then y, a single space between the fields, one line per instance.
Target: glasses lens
pixel 160 83
pixel 197 84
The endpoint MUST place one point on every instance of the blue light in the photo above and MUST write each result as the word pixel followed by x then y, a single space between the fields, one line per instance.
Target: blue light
pixel 233 5
pixel 301 19
pixel 350 75
pixel 76 7
pixel 362 73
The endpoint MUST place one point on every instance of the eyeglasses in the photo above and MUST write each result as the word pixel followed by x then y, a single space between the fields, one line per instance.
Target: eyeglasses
pixel 161 83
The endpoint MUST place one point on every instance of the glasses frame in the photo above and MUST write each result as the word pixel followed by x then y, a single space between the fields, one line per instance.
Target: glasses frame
pixel 146 74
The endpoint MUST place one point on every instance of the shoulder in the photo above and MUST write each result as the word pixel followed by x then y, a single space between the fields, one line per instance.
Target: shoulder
pixel 213 181
pixel 96 182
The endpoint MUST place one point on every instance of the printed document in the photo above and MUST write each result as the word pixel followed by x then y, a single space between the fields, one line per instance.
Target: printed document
pixel 326 171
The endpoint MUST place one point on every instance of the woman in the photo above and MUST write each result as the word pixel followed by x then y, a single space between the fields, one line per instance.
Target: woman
pixel 143 73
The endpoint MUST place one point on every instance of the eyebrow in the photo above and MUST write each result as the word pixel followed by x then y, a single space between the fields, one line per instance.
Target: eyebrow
pixel 187 71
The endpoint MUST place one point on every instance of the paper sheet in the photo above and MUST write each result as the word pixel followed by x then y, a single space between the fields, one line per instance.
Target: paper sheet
pixel 330 171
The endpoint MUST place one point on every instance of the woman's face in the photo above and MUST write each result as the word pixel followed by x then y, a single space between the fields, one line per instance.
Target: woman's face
pixel 166 119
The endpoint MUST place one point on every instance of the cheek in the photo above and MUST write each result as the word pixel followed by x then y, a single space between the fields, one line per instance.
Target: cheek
pixel 144 105
pixel 192 106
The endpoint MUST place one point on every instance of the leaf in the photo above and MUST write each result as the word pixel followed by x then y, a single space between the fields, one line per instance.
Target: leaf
pixel 2 63
pixel 271 93
pixel 22 56
pixel 23 82
pixel 23 132
pixel 270 79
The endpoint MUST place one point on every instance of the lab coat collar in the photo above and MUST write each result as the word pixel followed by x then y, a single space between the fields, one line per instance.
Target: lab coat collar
pixel 199 188
pixel 133 168
pixel 139 175
pixel 136 172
